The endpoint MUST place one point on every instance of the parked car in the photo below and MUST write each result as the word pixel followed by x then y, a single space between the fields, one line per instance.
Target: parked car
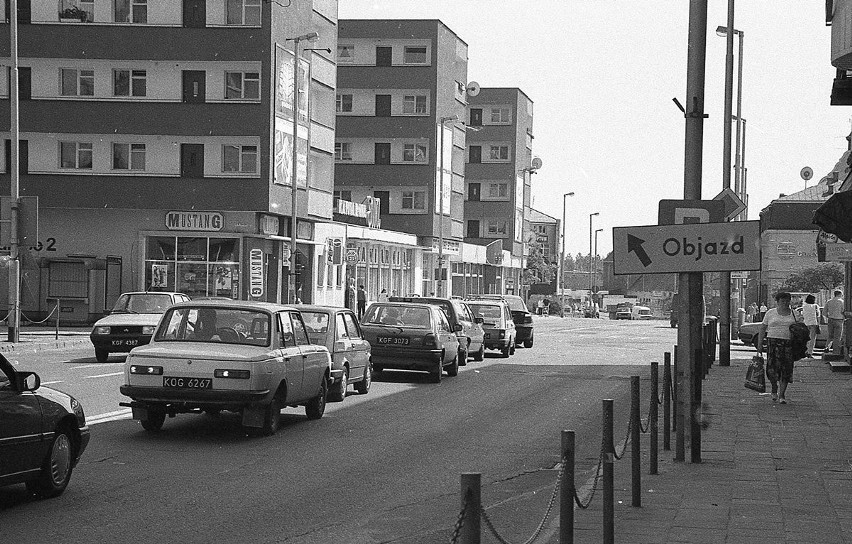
pixel 43 432
pixel 500 329
pixel 254 358
pixel 623 313
pixel 131 322
pixel 520 314
pixel 747 332
pixel 338 330
pixel 471 335
pixel 411 336
pixel 641 312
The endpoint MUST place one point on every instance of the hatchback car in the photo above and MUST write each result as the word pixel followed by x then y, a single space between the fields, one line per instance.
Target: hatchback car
pixel 500 331
pixel 471 335
pixel 337 329
pixel 520 315
pixel 253 358
pixel 411 336
pixel 43 433
pixel 131 322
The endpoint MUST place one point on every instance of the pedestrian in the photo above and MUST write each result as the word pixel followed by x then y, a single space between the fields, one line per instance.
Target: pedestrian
pixel 383 295
pixel 779 351
pixel 362 301
pixel 762 313
pixel 540 306
pixel 810 316
pixel 751 312
pixel 351 296
pixel 834 313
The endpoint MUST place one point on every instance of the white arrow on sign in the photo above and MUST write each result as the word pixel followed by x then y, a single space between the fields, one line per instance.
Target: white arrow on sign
pixel 697 247
pixel 733 203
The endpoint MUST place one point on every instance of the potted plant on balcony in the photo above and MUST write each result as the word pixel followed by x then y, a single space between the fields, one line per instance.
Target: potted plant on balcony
pixel 73 14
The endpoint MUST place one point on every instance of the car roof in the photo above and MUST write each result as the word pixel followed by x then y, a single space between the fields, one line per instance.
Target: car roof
pixel 407 305
pixel 321 308
pixel 152 293
pixel 488 302
pixel 235 304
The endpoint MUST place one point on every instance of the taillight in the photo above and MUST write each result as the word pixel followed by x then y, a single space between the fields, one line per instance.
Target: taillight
pixel 502 334
pixel 148 370
pixel 528 319
pixel 430 340
pixel 229 373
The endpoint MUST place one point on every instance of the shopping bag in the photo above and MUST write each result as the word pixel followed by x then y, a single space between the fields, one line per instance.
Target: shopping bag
pixel 755 378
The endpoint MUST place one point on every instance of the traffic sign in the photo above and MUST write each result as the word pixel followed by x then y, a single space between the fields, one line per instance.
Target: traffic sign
pixel 351 255
pixel 698 247
pixel 678 212
pixel 733 204
pixel 838 252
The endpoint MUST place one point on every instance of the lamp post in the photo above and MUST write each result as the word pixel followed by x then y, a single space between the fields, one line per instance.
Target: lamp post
pixel 596 246
pixel 559 281
pixel 591 264
pixel 440 281
pixel 310 36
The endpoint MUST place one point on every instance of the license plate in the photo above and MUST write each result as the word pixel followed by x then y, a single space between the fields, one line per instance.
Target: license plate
pixel 396 340
pixel 187 383
pixel 125 342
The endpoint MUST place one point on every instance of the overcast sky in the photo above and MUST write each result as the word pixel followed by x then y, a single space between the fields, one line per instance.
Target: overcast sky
pixel 602 75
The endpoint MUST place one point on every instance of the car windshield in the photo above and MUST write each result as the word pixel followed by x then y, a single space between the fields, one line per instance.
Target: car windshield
pixel 317 325
pixel 219 325
pixel 516 304
pixel 399 316
pixel 142 303
pixel 488 312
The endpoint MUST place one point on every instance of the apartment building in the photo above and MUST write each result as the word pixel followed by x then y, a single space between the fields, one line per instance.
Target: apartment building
pixel 158 138
pixel 545 231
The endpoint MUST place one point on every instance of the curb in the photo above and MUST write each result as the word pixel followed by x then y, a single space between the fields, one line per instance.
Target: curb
pixel 42 345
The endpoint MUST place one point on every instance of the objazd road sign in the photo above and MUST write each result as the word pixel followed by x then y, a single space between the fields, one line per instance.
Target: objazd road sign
pixel 697 247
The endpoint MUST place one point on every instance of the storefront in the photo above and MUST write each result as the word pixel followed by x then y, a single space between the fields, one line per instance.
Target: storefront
pixel 380 259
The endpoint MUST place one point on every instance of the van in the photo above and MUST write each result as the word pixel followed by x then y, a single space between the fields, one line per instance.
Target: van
pixel 641 312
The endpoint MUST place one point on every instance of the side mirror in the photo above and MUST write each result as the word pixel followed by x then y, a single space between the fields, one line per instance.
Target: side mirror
pixel 27 381
pixel 478 320
pixel 457 327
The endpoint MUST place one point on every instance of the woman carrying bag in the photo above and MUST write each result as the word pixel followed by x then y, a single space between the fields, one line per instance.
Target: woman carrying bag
pixel 779 351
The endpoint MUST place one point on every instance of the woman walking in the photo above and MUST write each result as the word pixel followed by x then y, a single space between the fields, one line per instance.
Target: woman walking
pixel 779 353
pixel 810 315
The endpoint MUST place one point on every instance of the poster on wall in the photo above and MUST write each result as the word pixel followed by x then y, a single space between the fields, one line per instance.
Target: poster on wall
pixel 284 85
pixel 444 180
pixel 159 276
pixel 223 278
pixel 283 167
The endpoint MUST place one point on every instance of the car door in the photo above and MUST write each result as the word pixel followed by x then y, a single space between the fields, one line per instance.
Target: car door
pixel 475 331
pixel 360 347
pixel 314 358
pixel 294 363
pixel 449 340
pixel 20 429
pixel 341 343
pixel 510 323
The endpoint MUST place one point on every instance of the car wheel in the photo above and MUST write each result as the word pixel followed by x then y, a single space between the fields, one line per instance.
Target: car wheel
pixel 155 420
pixel 453 369
pixel 528 343
pixel 101 355
pixel 56 468
pixel 272 418
pixel 315 408
pixel 507 349
pixel 512 349
pixel 338 391
pixel 463 355
pixel 437 374
pixel 363 387
pixel 480 355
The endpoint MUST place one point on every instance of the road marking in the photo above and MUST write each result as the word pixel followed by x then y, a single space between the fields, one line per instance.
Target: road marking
pixel 99 365
pixel 104 375
pixel 125 413
pixel 51 383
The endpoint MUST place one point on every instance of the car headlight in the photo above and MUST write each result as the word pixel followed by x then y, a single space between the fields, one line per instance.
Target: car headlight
pixel 78 411
pixel 148 329
pixel 147 370
pixel 228 373
pixel 101 330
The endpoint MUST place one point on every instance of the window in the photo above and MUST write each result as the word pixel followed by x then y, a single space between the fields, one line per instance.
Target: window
pixel 128 156
pixel 345 54
pixel 496 227
pixel 131 11
pixel 242 86
pixel 76 82
pixel 239 158
pixel 473 228
pixel 413 200
pixel 75 155
pixel 414 153
pixel 83 10
pixel 343 103
pixel 498 190
pixel 499 153
pixel 129 82
pixel 342 195
pixel 242 12
pixel 414 55
pixel 500 115
pixel 414 104
pixel 342 151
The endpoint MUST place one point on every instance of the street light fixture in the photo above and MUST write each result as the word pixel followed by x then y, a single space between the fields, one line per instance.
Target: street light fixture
pixel 591 263
pixel 440 281
pixel 310 36
pixel 560 283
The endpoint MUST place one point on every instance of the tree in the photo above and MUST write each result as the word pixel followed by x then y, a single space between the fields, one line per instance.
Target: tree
pixel 824 276
pixel 538 270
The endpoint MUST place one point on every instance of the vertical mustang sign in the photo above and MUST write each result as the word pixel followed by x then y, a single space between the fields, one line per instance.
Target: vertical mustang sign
pixel 256 273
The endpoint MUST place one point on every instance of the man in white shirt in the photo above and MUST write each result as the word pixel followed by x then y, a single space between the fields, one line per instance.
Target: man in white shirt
pixel 834 312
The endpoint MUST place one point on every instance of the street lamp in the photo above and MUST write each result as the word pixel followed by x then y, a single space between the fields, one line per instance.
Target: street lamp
pixel 440 282
pixel 591 277
pixel 723 31
pixel 596 244
pixel 559 281
pixel 310 36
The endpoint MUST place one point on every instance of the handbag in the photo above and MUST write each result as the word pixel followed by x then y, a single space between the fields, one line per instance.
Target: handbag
pixel 755 378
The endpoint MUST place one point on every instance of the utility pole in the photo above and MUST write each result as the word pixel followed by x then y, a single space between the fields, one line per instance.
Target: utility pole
pixel 691 284
pixel 725 277
pixel 14 262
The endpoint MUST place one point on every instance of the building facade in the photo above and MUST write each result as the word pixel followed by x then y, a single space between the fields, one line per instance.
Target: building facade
pixel 545 232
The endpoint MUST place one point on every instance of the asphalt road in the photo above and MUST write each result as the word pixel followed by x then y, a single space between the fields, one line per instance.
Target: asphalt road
pixel 381 467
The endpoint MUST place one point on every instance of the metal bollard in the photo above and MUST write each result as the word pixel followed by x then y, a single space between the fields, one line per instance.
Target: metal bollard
pixel 667 401
pixel 695 413
pixel 566 490
pixel 677 412
pixel 652 416
pixel 635 444
pixel 608 450
pixel 470 487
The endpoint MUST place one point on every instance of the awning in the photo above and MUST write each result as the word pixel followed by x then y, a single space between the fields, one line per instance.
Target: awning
pixel 835 215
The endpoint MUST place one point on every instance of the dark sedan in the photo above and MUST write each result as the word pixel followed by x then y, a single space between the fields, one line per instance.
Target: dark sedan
pixel 43 433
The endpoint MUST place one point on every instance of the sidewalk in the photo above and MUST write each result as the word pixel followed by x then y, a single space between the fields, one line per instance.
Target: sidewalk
pixel 32 338
pixel 770 473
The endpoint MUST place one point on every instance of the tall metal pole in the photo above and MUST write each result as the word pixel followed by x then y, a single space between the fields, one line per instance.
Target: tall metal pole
pixel 737 162
pixel 591 264
pixel 744 171
pixel 725 277
pixel 14 263
pixel 440 283
pixel 560 282
pixel 691 284
pixel 596 245
pixel 291 281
